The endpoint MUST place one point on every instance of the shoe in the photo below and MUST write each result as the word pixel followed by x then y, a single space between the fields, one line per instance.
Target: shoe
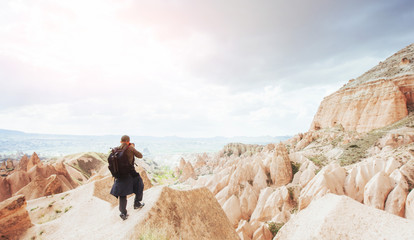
pixel 123 216
pixel 138 205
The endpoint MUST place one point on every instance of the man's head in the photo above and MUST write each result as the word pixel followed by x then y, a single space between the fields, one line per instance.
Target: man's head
pixel 125 139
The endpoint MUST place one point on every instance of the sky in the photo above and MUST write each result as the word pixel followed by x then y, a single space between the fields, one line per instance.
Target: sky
pixel 186 68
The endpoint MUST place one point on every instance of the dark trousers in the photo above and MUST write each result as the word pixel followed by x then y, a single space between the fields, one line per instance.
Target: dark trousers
pixel 122 204
pixel 138 188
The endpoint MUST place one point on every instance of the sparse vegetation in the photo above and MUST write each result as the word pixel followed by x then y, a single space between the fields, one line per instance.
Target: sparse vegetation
pixel 67 194
pixel 357 150
pixel 151 233
pixel 67 209
pixel 295 167
pixel 57 211
pixel 34 208
pixel 319 160
pixel 274 227
pixel 163 175
pixel 51 204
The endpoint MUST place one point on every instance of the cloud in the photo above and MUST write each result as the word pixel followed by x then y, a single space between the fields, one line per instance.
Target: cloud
pixel 183 67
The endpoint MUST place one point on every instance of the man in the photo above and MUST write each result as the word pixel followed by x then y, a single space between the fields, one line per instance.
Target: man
pixel 131 183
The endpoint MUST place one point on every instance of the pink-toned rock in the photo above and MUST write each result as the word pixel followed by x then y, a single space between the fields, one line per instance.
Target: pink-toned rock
pixel 264 195
pixel 409 205
pixel 260 180
pixel 262 233
pixel 364 106
pixel 329 180
pixel 245 228
pixel 188 172
pixel 23 163
pixel 377 190
pixel 232 209
pixel 14 218
pixel 306 177
pixel 397 138
pixel 280 167
pixel 395 203
pixel 33 161
pixel 248 201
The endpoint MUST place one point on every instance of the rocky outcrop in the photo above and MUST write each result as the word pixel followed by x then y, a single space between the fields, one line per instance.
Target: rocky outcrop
pixel 280 167
pixel 39 180
pixel 381 96
pixel 14 218
pixel 168 214
pixel 377 190
pixel 340 217
pixel 329 180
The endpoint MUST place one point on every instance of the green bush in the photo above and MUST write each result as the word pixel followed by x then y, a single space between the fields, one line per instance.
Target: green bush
pixel 295 167
pixel 274 227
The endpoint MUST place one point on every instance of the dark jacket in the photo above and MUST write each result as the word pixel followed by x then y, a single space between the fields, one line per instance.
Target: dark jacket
pixel 126 186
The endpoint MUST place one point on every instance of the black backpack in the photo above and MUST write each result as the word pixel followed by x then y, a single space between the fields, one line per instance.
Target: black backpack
pixel 118 163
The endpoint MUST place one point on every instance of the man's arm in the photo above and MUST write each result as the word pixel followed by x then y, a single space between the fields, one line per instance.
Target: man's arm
pixel 136 153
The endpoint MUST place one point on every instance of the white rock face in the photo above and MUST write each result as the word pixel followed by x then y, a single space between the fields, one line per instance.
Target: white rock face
pixel 395 203
pixel 324 219
pixel 248 201
pixel 329 180
pixel 232 209
pixel 409 206
pixel 377 190
pixel 280 167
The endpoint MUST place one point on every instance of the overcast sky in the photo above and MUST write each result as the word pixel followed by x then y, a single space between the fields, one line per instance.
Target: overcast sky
pixel 186 68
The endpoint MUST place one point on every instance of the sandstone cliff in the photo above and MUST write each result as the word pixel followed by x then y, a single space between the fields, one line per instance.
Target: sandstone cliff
pixel 379 97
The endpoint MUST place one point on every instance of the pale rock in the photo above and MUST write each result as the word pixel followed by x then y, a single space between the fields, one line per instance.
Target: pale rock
pixel 264 195
pixel 262 233
pixel 340 217
pixel 306 177
pixel 281 168
pixel 232 209
pixel 248 201
pixel 409 205
pixel 260 180
pixel 395 203
pixel 246 228
pixel 223 195
pixel 188 172
pixel 408 171
pixel 397 178
pixel 377 190
pixel 329 180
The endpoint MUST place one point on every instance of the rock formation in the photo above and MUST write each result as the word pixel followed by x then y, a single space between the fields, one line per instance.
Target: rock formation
pixel 379 97
pixel 340 217
pixel 14 218
pixel 35 179
pixel 173 214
